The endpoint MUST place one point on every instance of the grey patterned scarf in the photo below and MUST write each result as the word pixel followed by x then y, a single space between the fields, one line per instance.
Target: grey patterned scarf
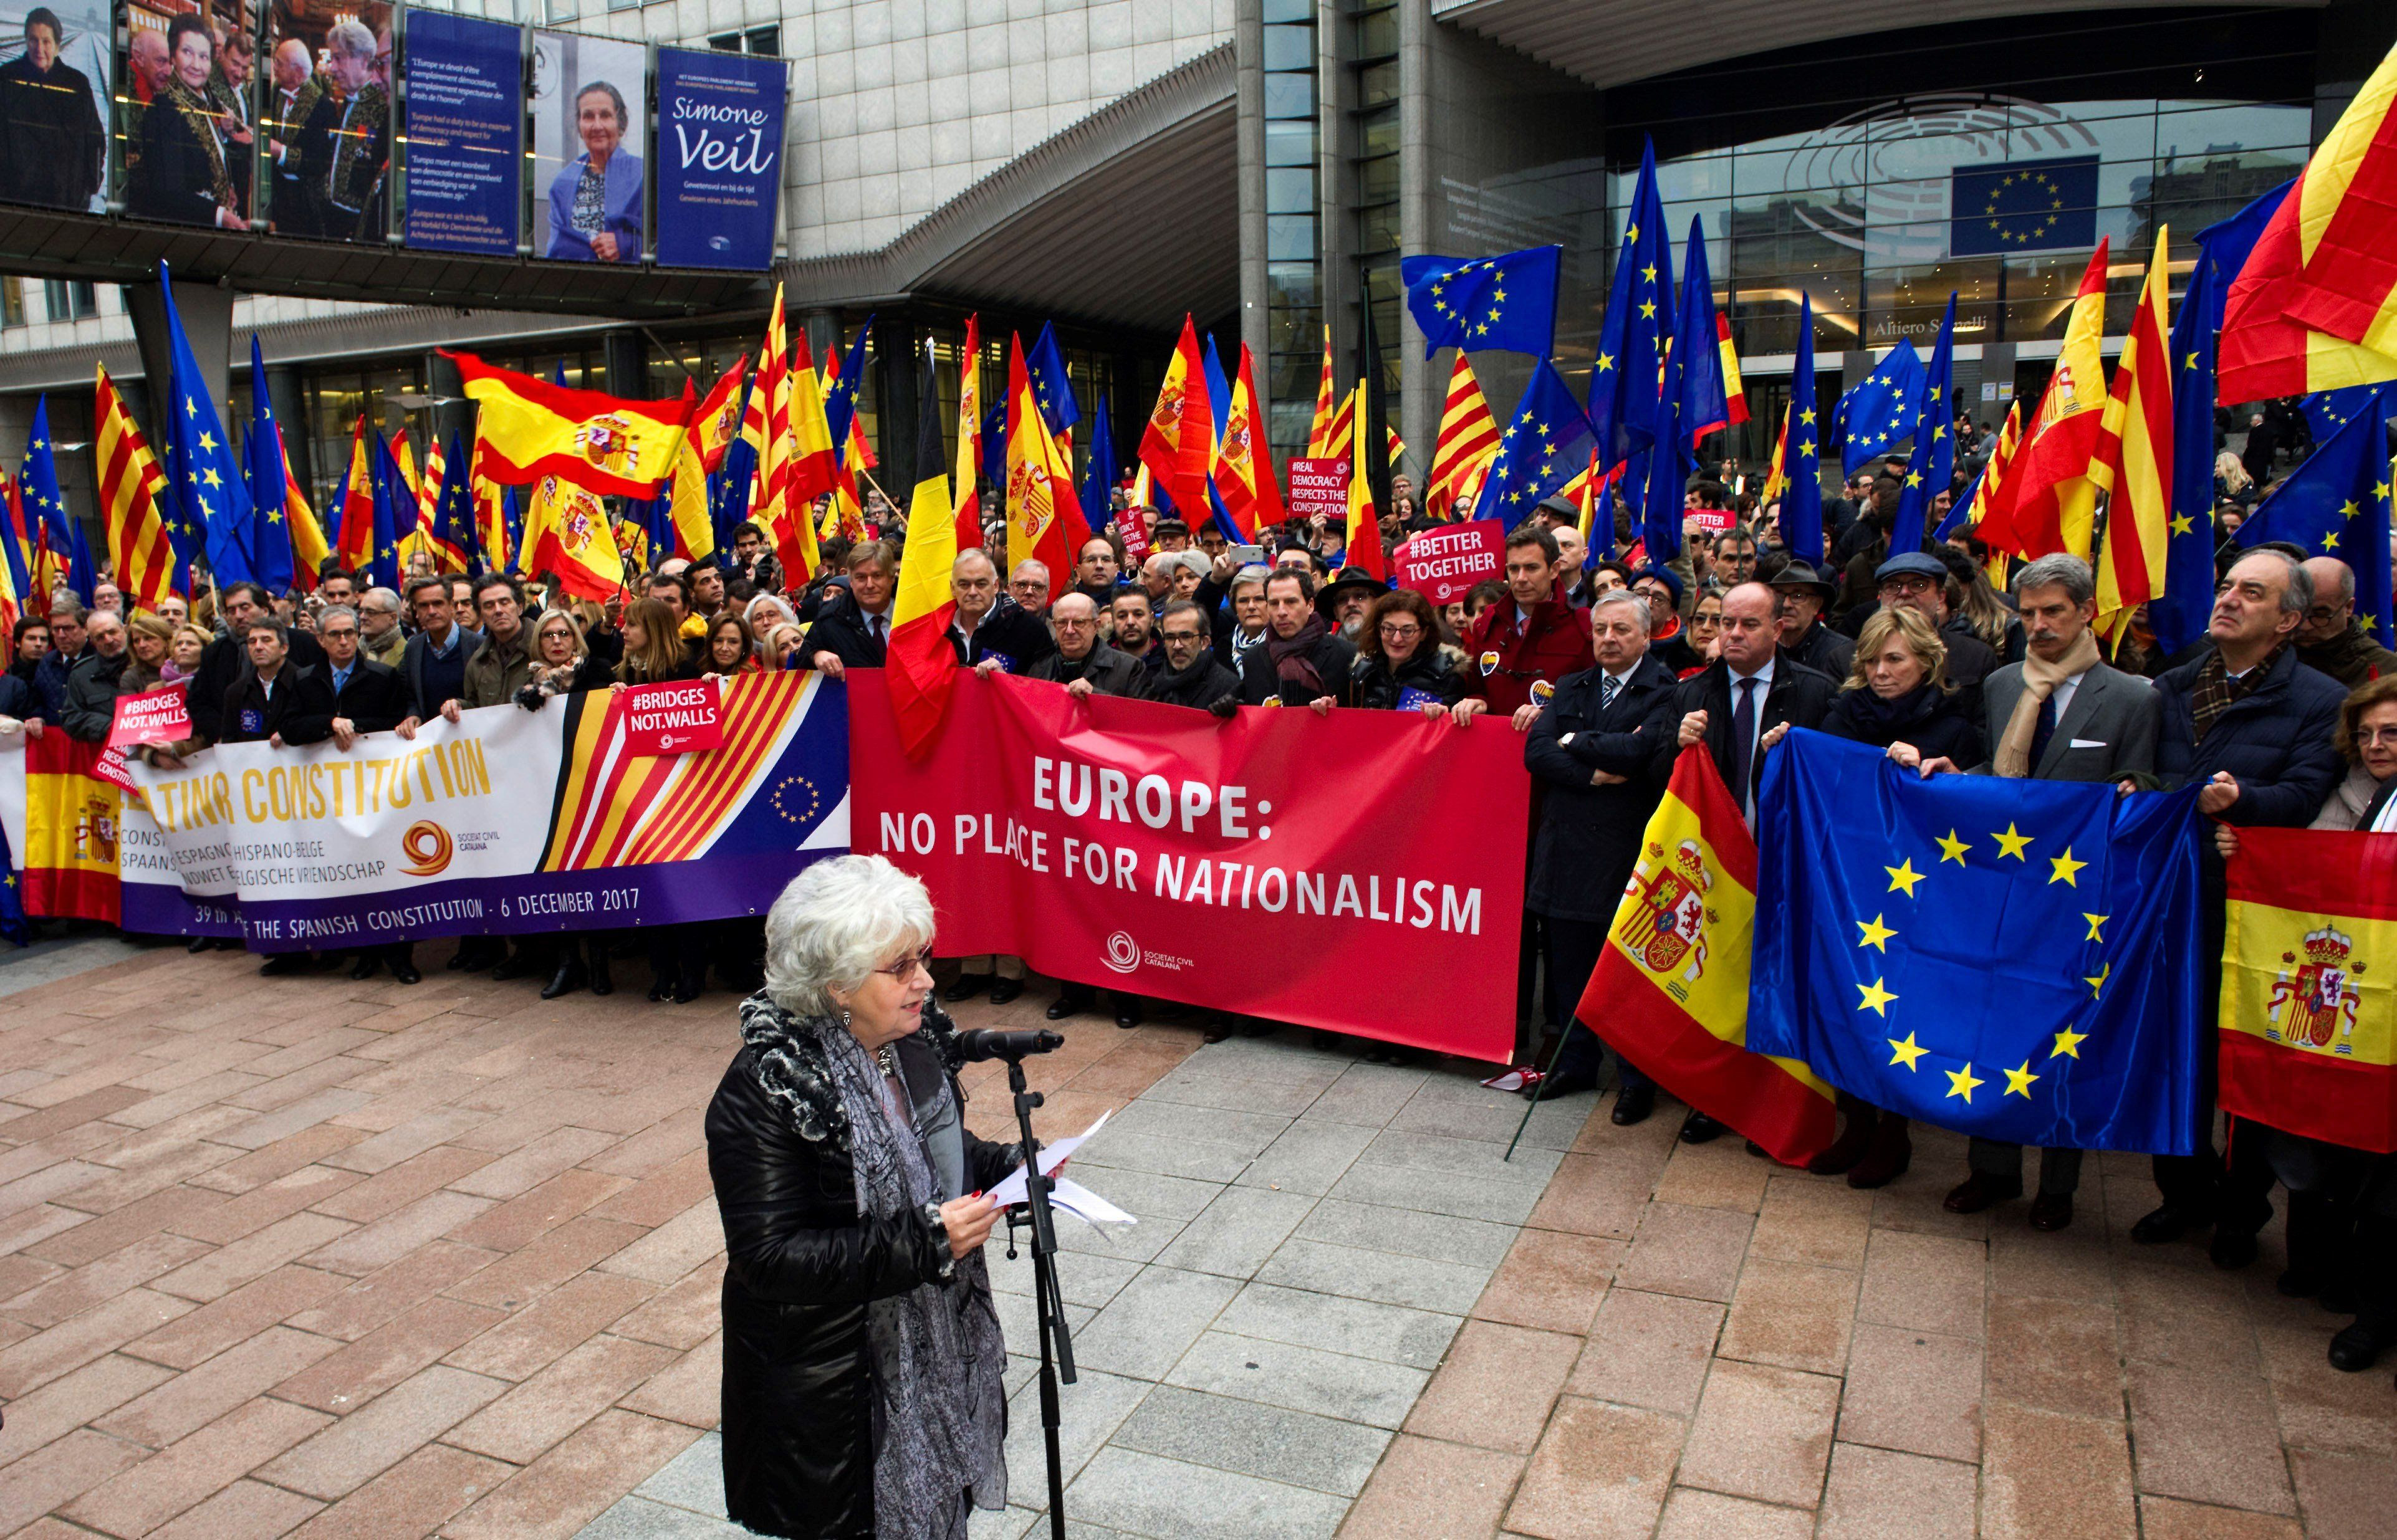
pixel 939 1414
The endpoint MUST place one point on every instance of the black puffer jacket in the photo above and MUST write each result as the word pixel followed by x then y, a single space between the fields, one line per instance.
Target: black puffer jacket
pixel 798 1396
pixel 1376 686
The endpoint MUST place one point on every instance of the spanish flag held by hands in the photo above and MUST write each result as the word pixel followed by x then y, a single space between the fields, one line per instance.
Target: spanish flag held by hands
pixel 2309 1037
pixel 601 443
pixel 1672 987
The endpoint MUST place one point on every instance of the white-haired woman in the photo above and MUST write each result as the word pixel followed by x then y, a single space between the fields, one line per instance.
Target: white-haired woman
pixel 862 1353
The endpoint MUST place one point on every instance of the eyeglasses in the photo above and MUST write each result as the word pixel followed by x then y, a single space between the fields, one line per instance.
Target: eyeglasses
pixel 904 969
pixel 1178 635
pixel 2377 736
pixel 1401 633
pixel 337 634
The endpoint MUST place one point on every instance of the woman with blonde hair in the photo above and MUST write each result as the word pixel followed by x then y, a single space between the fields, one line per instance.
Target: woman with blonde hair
pixel 183 650
pixel 1893 701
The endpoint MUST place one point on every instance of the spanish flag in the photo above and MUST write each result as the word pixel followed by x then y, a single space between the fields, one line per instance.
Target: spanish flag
pixel 599 442
pixel 2134 454
pixel 923 667
pixel 309 547
pixel 1244 470
pixel 2048 502
pixel 1040 496
pixel 1670 989
pixel 2309 1039
pixel 2315 308
pixel 965 494
pixel 71 819
pixel 1467 441
pixel 131 489
pixel 566 532
pixel 1734 388
pixel 1178 446
pixel 354 520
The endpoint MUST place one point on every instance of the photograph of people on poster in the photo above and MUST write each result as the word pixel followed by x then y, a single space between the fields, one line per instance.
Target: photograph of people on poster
pixel 188 142
pixel 53 102
pixel 326 116
pixel 589 129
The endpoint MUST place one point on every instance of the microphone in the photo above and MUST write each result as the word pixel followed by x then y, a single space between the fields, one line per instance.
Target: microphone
pixel 1013 1047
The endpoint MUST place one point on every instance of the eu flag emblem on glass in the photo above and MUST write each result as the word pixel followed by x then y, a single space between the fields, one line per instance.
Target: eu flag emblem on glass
pixel 2023 206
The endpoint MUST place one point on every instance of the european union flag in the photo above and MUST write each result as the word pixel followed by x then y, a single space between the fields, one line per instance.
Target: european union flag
pixel 45 506
pixel 1476 302
pixel 1933 465
pixel 203 478
pixel 1630 340
pixel 1099 474
pixel 1542 446
pixel 840 401
pixel 2337 505
pixel 1880 414
pixel 2328 410
pixel 2178 615
pixel 2018 959
pixel 12 898
pixel 269 484
pixel 2023 206
pixel 1802 462
pixel 1052 386
pixel 395 510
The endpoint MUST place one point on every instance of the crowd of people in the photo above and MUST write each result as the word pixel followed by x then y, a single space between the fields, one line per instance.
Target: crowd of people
pixel 1608 668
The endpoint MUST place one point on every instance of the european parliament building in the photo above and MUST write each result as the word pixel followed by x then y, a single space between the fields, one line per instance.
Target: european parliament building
pixel 1111 165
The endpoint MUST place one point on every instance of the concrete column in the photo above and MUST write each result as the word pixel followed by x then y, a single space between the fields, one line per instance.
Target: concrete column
pixel 1423 384
pixel 290 404
pixel 453 415
pixel 205 312
pixel 627 353
pixel 1248 68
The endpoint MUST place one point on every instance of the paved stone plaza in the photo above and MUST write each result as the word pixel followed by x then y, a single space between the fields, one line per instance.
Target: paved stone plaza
pixel 309 1256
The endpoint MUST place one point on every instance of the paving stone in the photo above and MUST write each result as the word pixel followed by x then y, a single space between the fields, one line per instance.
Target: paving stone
pixel 1364 1329
pixel 1426 1489
pixel 1379 1227
pixel 1761 1433
pixel 692 1480
pixel 1143 1494
pixel 1690 1514
pixel 202 1395
pixel 2049 1477
pixel 386 1430
pixel 1550 1280
pixel 1878 1494
pixel 413 1498
pixel 1307 1157
pixel 1237 1231
pixel 1791 1315
pixel 193 1468
pixel 566 1487
pixel 1304 1379
pixel 1695 1252
pixel 1649 1350
pixel 1915 1391
pixel 1600 1472
pixel 1276 1444
pixel 2210 1437
pixel 1387 1278
pixel 1088 1411
pixel 1495 1387
pixel 1146 1327
pixel 1465 1195
pixel 637 1517
pixel 1932 1283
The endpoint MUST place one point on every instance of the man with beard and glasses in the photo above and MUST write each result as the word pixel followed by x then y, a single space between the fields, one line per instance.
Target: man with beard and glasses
pixel 1190 675
pixel 1345 600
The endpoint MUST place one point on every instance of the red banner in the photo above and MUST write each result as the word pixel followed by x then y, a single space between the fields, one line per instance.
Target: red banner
pixel 150 716
pixel 1360 872
pixel 1444 565
pixel 679 716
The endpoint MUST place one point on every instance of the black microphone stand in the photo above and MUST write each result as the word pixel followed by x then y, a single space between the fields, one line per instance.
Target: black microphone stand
pixel 1046 1300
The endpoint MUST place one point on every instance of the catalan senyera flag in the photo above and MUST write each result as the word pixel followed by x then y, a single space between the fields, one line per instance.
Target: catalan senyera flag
pixel 1364 547
pixel 1327 407
pixel 490 512
pixel 131 510
pixel 1734 388
pixel 72 819
pixel 2309 1023
pixel 1244 472
pixel 2048 502
pixel 431 532
pixel 1670 989
pixel 1040 495
pixel 2133 462
pixel 2315 308
pixel 1468 438
pixel 599 442
pixel 1178 446
pixel 966 489
pixel 353 530
pixel 923 666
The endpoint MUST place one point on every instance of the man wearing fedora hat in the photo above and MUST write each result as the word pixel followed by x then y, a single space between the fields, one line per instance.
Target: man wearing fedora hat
pixel 1344 600
pixel 1804 594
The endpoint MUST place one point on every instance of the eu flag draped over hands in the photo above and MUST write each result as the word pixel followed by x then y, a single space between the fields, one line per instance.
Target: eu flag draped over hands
pixel 1879 414
pixel 1542 446
pixel 2018 959
pixel 1476 302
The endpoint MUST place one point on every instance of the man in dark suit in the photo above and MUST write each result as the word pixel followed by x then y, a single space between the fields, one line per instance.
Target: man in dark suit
pixel 367 697
pixel 855 632
pixel 2062 713
pixel 1593 753
pixel 279 702
pixel 1743 704
pixel 2254 727
pixel 227 660
pixel 433 664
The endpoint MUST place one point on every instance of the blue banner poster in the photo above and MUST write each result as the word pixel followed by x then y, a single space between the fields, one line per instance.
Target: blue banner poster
pixel 465 133
pixel 719 157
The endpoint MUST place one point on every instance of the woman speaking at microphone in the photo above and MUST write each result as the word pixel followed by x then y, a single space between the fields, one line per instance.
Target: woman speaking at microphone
pixel 862 1353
